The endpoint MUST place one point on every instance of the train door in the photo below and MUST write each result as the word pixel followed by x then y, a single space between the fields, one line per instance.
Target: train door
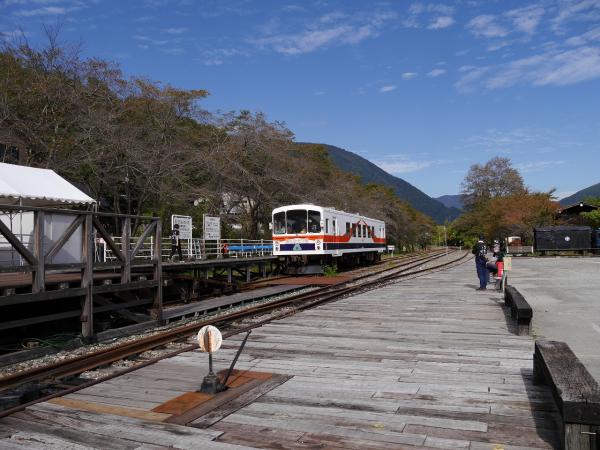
pixel 336 233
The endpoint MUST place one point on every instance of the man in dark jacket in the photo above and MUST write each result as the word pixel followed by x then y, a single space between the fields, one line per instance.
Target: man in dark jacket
pixel 480 252
pixel 175 242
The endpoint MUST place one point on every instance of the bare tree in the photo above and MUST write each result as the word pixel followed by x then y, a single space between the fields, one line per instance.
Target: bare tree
pixel 496 178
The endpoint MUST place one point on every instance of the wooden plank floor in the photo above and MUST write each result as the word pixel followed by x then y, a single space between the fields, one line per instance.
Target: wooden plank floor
pixel 426 363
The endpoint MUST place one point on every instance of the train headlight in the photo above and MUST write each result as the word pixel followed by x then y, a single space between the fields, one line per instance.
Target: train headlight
pixel 276 246
pixel 318 244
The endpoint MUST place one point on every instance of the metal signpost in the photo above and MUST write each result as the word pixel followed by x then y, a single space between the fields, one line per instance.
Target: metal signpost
pixel 209 341
pixel 185 229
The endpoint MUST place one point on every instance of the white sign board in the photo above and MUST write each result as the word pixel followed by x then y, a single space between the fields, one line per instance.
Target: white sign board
pixel 185 226
pixel 391 248
pixel 209 339
pixel 507 263
pixel 212 228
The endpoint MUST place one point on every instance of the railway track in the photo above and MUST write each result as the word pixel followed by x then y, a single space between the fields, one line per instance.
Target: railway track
pixel 54 380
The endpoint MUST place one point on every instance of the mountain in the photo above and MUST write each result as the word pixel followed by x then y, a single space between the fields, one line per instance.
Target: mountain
pixel 451 201
pixel 591 191
pixel 370 173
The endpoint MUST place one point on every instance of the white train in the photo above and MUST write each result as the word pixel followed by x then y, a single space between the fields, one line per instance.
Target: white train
pixel 310 237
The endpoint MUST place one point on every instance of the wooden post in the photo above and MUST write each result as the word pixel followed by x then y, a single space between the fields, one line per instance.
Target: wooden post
pixel 125 251
pixel 158 301
pixel 87 279
pixel 39 283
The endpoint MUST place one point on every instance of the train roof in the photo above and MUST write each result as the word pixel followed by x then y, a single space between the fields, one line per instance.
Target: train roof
pixel 323 208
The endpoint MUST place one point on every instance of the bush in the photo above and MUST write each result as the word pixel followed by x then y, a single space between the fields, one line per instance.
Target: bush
pixel 330 271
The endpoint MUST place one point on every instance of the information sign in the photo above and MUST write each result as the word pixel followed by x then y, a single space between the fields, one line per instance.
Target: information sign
pixel 212 228
pixel 185 226
pixel 507 263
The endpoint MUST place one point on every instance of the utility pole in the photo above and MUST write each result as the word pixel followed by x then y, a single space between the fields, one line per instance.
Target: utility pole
pixel 445 240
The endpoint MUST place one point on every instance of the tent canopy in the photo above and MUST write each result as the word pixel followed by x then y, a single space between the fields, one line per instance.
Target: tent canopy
pixel 30 186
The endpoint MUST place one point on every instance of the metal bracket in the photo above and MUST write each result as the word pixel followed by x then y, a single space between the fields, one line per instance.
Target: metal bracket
pixel 237 355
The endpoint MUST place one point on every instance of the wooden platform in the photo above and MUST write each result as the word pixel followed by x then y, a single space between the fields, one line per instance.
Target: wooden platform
pixel 427 363
pixel 227 300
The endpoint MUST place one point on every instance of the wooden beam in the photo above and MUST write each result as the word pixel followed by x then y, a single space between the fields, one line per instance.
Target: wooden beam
pixel 120 287
pixel 39 275
pixel 64 238
pixel 149 228
pixel 18 299
pixel 108 239
pixel 17 245
pixel 158 298
pixel 87 279
pixel 121 308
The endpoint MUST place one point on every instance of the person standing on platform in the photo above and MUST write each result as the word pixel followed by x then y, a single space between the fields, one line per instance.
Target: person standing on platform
pixel 480 251
pixel 175 242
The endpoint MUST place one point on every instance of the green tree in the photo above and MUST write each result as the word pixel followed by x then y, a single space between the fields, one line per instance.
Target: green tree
pixel 592 218
pixel 496 178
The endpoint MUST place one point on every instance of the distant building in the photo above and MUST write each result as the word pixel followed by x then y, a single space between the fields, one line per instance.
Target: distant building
pixel 572 214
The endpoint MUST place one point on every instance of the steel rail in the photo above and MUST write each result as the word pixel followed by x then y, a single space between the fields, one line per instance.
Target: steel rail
pixel 300 302
pixel 88 361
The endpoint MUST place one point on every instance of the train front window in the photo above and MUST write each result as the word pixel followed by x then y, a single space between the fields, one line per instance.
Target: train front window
pixel 314 221
pixel 279 223
pixel 296 221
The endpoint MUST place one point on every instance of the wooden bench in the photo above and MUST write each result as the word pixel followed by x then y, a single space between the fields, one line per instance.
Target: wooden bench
pixel 520 310
pixel 575 391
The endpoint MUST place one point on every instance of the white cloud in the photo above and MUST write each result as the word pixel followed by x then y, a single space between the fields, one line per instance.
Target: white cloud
pixel 388 88
pixel 537 166
pixel 13 34
pixel 585 38
pixel 332 17
pixel 175 31
pixel 553 68
pixel 409 75
pixel 143 18
pixel 217 56
pixel 576 11
pixel 526 19
pixel 45 11
pixel 399 164
pixel 436 73
pixel 441 22
pixel 485 25
pixel 521 141
pixel 438 15
pixel 340 31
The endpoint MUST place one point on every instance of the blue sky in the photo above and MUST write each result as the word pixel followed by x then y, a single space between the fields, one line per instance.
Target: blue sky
pixel 422 89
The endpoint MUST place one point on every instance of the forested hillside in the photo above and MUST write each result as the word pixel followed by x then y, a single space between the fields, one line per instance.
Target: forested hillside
pixel 370 173
pixel 144 147
pixel 579 196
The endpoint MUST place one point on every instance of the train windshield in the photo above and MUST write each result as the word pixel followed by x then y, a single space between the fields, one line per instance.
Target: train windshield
pixel 297 221
pixel 314 221
pixel 279 223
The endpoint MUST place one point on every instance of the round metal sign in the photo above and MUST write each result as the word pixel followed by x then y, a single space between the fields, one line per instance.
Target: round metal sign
pixel 209 339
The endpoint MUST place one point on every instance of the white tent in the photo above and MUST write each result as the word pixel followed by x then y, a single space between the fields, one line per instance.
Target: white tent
pixel 29 186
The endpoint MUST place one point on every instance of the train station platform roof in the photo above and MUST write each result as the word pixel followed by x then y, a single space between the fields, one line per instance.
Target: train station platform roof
pixel 30 186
